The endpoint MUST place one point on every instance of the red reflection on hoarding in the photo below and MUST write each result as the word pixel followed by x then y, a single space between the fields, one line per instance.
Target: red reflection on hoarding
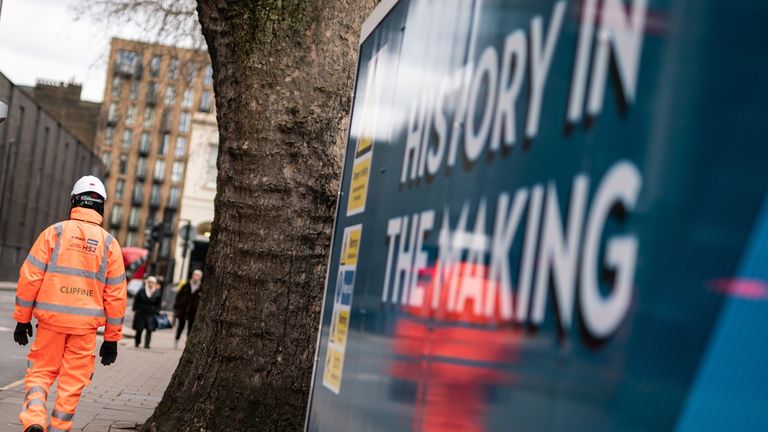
pixel 453 355
pixel 743 288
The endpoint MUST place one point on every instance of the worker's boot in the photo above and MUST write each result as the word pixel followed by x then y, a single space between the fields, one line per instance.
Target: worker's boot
pixel 34 428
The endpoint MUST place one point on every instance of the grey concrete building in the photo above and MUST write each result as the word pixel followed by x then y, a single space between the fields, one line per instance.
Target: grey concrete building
pixel 40 159
pixel 62 101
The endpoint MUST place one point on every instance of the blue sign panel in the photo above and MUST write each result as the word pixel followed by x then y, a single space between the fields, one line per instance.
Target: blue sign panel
pixel 553 216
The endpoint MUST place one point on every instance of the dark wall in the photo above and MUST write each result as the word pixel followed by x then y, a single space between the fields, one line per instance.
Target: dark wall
pixel 40 159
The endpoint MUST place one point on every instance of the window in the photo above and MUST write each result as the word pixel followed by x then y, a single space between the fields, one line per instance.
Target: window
pixel 170 95
pixel 144 143
pixel 165 123
pixel 177 171
pixel 133 217
pixel 138 193
pixel 149 117
pixel 141 167
pixel 162 150
pixel 181 147
pixel 134 93
pixel 109 136
pixel 208 77
pixel 191 72
pixel 130 239
pixel 117 214
pixel 173 69
pixel 123 164
pixel 212 171
pixel 116 86
pixel 184 119
pixel 152 92
pixel 159 174
pixel 173 197
pixel 154 196
pixel 127 62
pixel 106 159
pixel 127 137
pixel 187 100
pixel 119 189
pixel 205 101
pixel 112 113
pixel 154 66
pixel 130 116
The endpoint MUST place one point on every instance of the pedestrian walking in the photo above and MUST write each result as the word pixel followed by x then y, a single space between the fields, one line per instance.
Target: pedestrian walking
pixel 185 307
pixel 146 306
pixel 73 282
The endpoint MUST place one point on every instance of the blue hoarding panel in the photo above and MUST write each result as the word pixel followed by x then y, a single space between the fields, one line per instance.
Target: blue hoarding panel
pixel 551 218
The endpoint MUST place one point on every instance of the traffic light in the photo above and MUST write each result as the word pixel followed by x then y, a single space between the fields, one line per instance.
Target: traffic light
pixel 152 235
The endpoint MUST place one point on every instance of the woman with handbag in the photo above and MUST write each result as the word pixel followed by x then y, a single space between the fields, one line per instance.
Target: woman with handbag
pixel 146 305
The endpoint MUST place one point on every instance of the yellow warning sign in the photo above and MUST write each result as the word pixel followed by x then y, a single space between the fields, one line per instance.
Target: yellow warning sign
pixel 359 189
pixel 351 247
pixel 364 144
pixel 344 289
pixel 334 364
pixel 342 328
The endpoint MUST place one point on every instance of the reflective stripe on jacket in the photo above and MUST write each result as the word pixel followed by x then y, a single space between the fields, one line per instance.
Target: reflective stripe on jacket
pixel 74 278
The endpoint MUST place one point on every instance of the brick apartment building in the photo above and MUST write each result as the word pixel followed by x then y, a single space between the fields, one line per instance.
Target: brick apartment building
pixel 151 94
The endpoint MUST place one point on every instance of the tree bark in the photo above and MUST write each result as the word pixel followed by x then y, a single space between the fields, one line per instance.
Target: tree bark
pixel 283 77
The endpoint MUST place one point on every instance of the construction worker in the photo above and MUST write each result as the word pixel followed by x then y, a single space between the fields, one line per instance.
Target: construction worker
pixel 73 282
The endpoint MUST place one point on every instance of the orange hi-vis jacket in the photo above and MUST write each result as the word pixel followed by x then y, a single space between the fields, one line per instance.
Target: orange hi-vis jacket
pixel 74 279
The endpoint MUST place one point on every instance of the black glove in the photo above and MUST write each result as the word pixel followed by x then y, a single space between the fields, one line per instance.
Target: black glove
pixel 21 332
pixel 108 353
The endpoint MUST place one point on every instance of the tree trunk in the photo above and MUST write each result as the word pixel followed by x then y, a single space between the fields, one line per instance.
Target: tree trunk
pixel 283 77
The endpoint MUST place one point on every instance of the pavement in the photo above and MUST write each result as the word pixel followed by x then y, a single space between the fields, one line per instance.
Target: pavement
pixel 120 397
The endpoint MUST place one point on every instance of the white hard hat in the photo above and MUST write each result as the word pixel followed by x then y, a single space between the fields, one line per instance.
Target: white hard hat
pixel 89 184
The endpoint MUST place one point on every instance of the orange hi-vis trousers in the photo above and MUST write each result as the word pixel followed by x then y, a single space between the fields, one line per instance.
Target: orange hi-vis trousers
pixel 66 356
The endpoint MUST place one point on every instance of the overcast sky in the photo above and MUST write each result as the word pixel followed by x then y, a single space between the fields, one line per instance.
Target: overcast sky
pixel 40 39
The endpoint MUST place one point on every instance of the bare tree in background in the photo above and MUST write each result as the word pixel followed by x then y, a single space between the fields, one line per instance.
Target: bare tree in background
pixel 283 77
pixel 172 22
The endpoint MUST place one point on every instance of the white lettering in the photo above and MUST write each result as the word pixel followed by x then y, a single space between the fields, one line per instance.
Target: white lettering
pixel 602 316
pixel 514 54
pixel 558 255
pixel 426 222
pixel 526 266
pixel 540 62
pixel 583 51
pixel 448 255
pixel 393 229
pixel 473 274
pixel 435 156
pixel 475 139
pixel 499 278
pixel 625 36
